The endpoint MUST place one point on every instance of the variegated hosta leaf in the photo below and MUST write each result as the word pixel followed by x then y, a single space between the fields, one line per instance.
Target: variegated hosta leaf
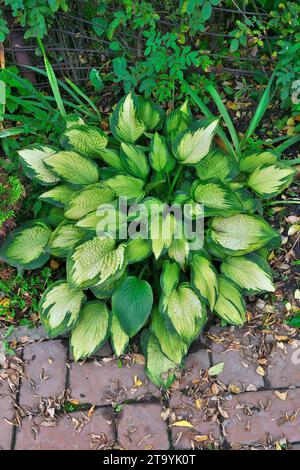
pixel 248 163
pixel 159 368
pixel 251 273
pixel 87 140
pixel 270 180
pixel 241 233
pixel 150 114
pixel 132 303
pixel 217 165
pixel 91 331
pixel 170 343
pixel 104 290
pixel 249 203
pixel 127 186
pixel 88 200
pixel 119 339
pixel 26 246
pixel 178 121
pixel 205 279
pixel 217 198
pixel 73 168
pixel 137 250
pixel 105 220
pixel 95 261
pixel 32 159
pixel 124 122
pixel 64 238
pixel 161 232
pixel 134 160
pixel 112 158
pixel 184 311
pixel 230 305
pixel 159 154
pixel 59 308
pixel 72 120
pixel 169 278
pixel 193 144
pixel 179 251
pixel 58 196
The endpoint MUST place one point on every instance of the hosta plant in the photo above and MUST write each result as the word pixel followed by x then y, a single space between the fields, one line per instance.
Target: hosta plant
pixel 139 270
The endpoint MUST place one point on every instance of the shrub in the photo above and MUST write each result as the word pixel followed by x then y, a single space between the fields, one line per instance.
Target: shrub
pixel 11 191
pixel 116 286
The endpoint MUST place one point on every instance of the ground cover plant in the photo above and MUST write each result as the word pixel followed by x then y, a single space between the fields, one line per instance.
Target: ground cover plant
pixel 155 282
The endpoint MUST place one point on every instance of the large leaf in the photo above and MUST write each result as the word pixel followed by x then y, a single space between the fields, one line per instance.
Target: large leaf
pixel 104 290
pixel 87 140
pixel 32 159
pixel 112 158
pixel 91 331
pixel 179 251
pixel 26 246
pixel 73 168
pixel 88 200
pixel 241 233
pixel 150 114
pixel 132 304
pixel 64 238
pixel 95 261
pixel 124 122
pixel 248 163
pixel 170 343
pixel 194 143
pixel 205 279
pixel 159 154
pixel 217 165
pixel 169 278
pixel 249 203
pixel 251 273
pixel 107 219
pixel 127 186
pixel 230 305
pixel 159 368
pixel 270 180
pixel 58 196
pixel 59 308
pixel 134 160
pixel 178 121
pixel 184 311
pixel 137 250
pixel 119 339
pixel 217 198
pixel 161 232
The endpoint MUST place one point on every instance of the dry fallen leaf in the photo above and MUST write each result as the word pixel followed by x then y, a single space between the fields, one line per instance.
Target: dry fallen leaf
pixel 200 438
pixel 260 371
pixel 281 395
pixel 198 403
pixel 137 382
pixel 234 388
pixel 183 424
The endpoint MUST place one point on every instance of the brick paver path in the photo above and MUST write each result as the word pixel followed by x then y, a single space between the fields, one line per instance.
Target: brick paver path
pixel 107 402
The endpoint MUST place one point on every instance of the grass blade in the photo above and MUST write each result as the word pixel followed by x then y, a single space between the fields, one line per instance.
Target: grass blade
pixel 291 141
pixel 83 95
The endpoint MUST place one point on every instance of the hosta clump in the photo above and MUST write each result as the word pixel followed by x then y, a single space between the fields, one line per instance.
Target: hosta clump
pixel 117 284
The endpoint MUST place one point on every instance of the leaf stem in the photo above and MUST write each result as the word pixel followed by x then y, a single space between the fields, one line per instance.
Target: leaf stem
pixel 177 174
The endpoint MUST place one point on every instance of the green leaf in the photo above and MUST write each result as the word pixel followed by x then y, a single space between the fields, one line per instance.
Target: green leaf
pixel 32 160
pixel 134 160
pixel 119 339
pixel 159 154
pixel 249 203
pixel 73 168
pixel 184 311
pixel 91 330
pixel 217 165
pixel 59 308
pixel 179 251
pixel 137 249
pixel 178 121
pixel 270 180
pixel 241 233
pixel 124 122
pixel 248 163
pixel 250 272
pixel 58 196
pixel 25 247
pixel 205 279
pixel 149 114
pixel 216 369
pixel 104 290
pixel 64 238
pixel 170 343
pixel 170 277
pixel 87 140
pixel 161 232
pixel 217 198
pixel 127 186
pixel 112 158
pixel 88 200
pixel 230 305
pixel 132 303
pixel 194 143
pixel 206 10
pixel 95 261
pixel 159 368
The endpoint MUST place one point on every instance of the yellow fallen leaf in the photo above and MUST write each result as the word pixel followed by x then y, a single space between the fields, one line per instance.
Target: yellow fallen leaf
pixel 74 402
pixel 137 382
pixel 234 388
pixel 4 302
pixel 277 446
pixel 199 438
pixel 54 265
pixel 198 403
pixel 281 395
pixel 183 424
pixel 91 411
pixel 260 371
pixel 291 121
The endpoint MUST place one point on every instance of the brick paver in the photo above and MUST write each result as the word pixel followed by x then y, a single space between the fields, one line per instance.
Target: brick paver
pixel 101 382
pixel 284 369
pixel 254 415
pixel 45 370
pixel 6 430
pixel 141 427
pixel 70 433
